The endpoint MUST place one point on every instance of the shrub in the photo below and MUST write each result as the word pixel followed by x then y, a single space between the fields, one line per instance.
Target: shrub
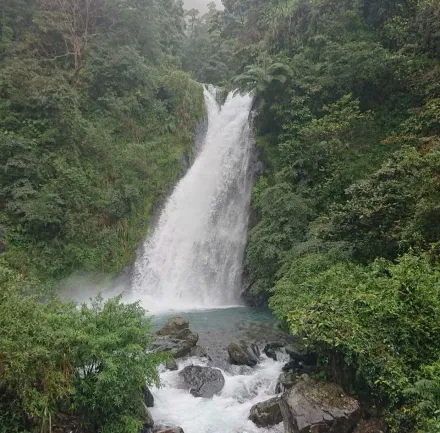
pixel 89 363
pixel 380 320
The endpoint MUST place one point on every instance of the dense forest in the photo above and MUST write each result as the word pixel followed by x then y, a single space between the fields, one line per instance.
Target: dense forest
pixel 347 240
pixel 98 104
pixel 96 117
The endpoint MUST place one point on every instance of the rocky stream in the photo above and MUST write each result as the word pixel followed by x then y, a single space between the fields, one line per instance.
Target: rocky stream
pixel 257 383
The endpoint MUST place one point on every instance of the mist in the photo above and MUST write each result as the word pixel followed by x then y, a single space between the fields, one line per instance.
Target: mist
pixel 201 5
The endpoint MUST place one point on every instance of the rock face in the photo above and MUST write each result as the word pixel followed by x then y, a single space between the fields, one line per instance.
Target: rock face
pixel 266 413
pixel 254 299
pixel 148 397
pixel 311 406
pixel 242 354
pixel 286 381
pixel 175 337
pixel 203 381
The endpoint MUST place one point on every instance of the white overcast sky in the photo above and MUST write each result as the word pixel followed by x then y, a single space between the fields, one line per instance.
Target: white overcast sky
pixel 200 4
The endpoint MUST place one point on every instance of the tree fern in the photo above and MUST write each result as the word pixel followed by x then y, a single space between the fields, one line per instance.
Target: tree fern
pixel 258 80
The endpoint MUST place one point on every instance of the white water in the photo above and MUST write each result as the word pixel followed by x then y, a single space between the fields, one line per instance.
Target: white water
pixel 227 412
pixel 193 259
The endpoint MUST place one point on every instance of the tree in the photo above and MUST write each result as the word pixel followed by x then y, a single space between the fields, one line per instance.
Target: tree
pixel 76 22
pixel 259 80
pixel 193 15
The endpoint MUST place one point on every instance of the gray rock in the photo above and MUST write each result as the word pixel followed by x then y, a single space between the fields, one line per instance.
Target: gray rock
pixel 176 338
pixel 266 413
pixel 298 367
pixel 270 350
pixel 147 419
pixel 174 326
pixel 256 350
pixel 294 353
pixel 299 356
pixel 319 407
pixel 199 352
pixel 171 364
pixel 148 397
pixel 203 381
pixel 285 381
pixel 254 299
pixel 241 354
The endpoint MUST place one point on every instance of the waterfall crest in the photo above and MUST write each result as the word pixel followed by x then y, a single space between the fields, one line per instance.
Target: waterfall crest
pixel 194 256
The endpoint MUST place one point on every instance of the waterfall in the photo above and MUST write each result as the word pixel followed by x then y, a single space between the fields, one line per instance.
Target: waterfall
pixel 194 256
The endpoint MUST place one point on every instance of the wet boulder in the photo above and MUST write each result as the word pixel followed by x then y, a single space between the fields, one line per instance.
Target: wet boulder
pixel 176 346
pixel 148 397
pixel 319 407
pixel 240 353
pixel 271 349
pixel 203 381
pixel 174 326
pixel 286 380
pixel 171 364
pixel 175 337
pixel 298 367
pixel 266 413
pixel 199 352
pixel 299 356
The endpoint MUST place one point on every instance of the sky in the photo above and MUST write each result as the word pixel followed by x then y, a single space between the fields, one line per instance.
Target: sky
pixel 200 4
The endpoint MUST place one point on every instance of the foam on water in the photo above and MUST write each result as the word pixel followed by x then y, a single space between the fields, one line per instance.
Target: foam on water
pixel 227 412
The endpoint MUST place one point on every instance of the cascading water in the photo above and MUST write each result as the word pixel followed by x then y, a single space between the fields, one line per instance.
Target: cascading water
pixel 193 261
pixel 193 258
pixel 227 412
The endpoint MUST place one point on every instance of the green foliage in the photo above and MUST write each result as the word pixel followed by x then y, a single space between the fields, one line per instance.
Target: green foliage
pixel 95 119
pixel 91 138
pixel 349 136
pixel 112 364
pixel 205 54
pixel 426 392
pixel 60 361
pixel 381 319
pixel 284 221
pixel 394 209
pixel 258 80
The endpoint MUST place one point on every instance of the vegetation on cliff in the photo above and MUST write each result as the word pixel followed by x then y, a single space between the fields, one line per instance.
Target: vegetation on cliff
pixel 96 116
